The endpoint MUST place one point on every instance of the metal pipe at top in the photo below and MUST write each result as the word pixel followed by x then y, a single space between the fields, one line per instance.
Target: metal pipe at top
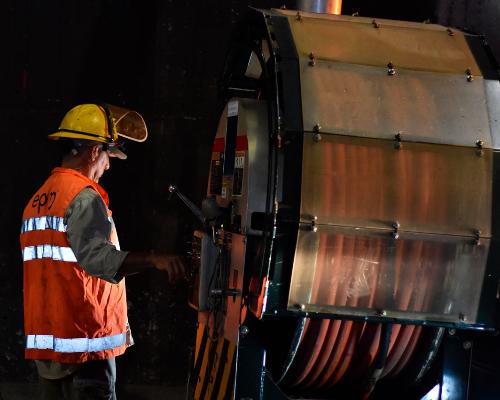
pixel 320 6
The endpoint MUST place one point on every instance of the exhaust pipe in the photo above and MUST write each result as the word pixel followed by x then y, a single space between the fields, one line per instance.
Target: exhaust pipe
pixel 320 6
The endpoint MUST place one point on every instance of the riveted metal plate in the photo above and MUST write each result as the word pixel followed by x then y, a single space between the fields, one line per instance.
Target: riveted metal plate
pixel 363 182
pixel 365 101
pixel 363 273
pixel 406 45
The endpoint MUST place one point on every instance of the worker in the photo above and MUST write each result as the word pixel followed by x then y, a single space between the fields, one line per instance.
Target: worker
pixel 75 308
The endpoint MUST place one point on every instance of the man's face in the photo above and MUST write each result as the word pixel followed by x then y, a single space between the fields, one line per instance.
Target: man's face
pixel 100 164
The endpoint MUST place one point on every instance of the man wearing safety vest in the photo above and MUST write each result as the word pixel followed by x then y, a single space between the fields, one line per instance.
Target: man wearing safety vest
pixel 75 308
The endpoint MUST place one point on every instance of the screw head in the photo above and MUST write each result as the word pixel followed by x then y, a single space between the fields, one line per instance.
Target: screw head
pixel 312 59
pixel 467 344
pixel 468 72
pixel 244 330
pixel 390 69
pixel 314 227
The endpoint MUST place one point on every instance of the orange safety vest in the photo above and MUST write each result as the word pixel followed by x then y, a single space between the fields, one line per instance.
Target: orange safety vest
pixel 69 315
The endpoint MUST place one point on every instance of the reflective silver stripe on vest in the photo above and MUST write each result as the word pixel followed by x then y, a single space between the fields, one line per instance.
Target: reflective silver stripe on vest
pixel 42 223
pixel 48 251
pixel 77 345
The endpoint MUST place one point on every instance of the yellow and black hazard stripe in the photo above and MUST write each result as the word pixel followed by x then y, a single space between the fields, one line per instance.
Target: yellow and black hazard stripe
pixel 214 367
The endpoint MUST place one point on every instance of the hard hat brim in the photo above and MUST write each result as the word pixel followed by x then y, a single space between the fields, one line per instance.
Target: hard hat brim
pixel 64 134
pixel 116 152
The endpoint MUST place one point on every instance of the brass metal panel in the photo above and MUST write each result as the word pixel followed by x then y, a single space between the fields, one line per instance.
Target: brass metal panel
pixel 406 45
pixel 362 182
pixel 417 277
pixel 365 101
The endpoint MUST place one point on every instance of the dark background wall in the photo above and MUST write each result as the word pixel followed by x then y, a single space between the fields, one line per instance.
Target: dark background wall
pixel 162 58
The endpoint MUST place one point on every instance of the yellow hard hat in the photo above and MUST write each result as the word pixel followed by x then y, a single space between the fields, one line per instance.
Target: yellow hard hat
pixel 101 123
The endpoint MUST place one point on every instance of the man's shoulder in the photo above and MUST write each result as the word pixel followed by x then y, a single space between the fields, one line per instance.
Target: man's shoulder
pixel 87 194
pixel 86 199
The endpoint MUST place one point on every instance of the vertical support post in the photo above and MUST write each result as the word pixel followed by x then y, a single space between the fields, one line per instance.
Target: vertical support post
pixel 457 356
pixel 253 381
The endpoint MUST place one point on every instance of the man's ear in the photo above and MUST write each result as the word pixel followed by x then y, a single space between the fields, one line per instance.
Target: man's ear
pixel 95 151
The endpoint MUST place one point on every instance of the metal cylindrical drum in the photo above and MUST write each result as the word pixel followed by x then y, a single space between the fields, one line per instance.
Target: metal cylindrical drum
pixel 320 6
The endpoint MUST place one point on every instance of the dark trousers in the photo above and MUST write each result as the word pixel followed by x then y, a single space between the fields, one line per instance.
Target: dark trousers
pixel 93 380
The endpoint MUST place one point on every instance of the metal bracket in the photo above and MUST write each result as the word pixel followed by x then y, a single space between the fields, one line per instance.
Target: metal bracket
pixel 312 59
pixel 398 138
pixel 477 237
pixel 317 136
pixel 479 148
pixel 310 222
pixel 314 227
pixel 468 73
pixel 395 232
pixel 391 71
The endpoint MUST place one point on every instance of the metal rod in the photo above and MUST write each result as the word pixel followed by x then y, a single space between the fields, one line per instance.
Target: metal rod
pixel 189 204
pixel 320 6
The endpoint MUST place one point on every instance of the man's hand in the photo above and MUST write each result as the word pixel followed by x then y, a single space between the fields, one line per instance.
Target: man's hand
pixel 171 264
pixel 140 261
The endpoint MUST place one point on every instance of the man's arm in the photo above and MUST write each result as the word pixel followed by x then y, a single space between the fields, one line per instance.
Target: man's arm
pixel 136 262
pixel 88 230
